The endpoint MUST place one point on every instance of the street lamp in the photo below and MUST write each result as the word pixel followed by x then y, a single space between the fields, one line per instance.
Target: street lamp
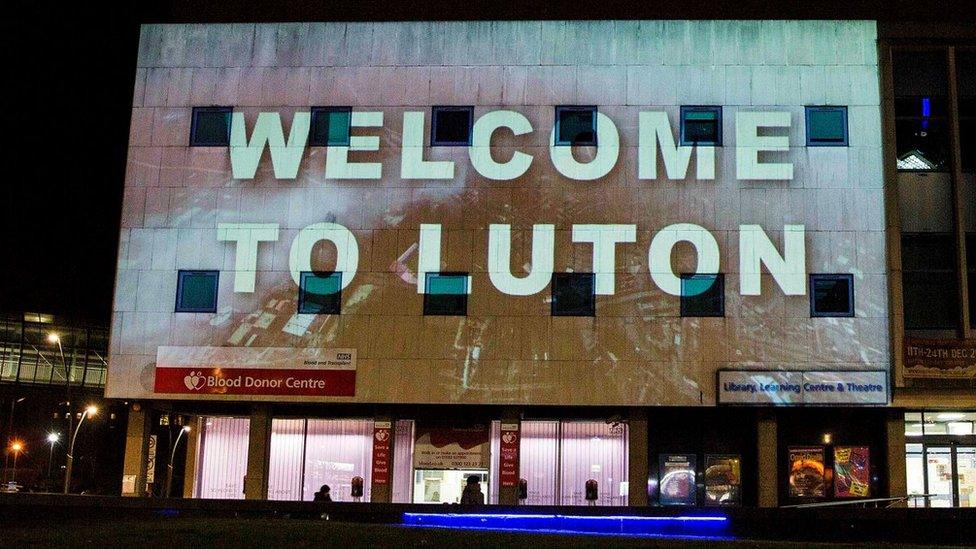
pixel 52 438
pixel 53 337
pixel 15 447
pixel 172 456
pixel 10 428
pixel 89 411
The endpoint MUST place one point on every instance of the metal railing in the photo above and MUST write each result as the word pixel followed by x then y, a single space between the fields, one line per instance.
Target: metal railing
pixel 873 502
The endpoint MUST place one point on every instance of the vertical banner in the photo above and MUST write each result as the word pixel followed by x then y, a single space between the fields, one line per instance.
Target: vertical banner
pixel 722 480
pixel 807 472
pixel 382 433
pixel 677 479
pixel 852 472
pixel 151 460
pixel 508 468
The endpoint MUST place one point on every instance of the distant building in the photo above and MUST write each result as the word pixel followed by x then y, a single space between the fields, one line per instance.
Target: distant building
pixel 33 393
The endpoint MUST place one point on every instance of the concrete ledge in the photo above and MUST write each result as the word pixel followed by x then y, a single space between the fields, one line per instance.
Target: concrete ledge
pixel 941 526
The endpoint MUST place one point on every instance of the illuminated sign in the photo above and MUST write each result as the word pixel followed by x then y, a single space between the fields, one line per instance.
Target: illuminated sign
pixel 655 136
pixel 793 388
pixel 246 371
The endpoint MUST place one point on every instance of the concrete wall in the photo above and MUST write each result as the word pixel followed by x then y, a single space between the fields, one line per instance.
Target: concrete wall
pixel 637 350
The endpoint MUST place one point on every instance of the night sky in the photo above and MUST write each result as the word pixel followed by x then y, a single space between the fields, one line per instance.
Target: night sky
pixel 67 85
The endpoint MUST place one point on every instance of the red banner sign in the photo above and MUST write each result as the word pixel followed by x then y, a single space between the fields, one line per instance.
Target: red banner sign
pixel 940 358
pixel 382 433
pixel 509 466
pixel 255 381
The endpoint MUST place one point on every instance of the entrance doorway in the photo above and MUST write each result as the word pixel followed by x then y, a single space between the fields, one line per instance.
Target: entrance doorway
pixel 941 458
pixel 444 485
pixel 947 472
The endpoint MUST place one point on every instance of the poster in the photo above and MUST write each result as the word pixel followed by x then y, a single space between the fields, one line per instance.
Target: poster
pixel 852 472
pixel 382 434
pixel 451 447
pixel 677 479
pixel 807 472
pixel 723 480
pixel 509 447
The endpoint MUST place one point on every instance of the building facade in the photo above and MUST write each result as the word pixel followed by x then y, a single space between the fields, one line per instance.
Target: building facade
pixel 617 262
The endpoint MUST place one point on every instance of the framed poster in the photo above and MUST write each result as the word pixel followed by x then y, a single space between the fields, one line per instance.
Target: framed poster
pixel 807 472
pixel 676 479
pixel 852 472
pixel 723 480
pixel 452 446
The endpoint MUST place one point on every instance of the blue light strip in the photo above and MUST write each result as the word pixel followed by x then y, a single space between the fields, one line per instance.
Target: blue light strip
pixel 677 526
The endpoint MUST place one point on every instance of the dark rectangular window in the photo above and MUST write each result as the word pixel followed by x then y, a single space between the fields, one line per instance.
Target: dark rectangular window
pixel 330 127
pixel 320 293
pixel 702 295
pixel 701 126
pixel 210 126
pixel 826 126
pixel 971 276
pixel 446 294
pixel 451 126
pixel 930 292
pixel 573 294
pixel 921 114
pixel 196 291
pixel 831 295
pixel 966 87
pixel 575 126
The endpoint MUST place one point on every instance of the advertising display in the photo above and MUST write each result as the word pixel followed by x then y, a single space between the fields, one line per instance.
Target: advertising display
pixel 723 481
pixel 940 358
pixel 509 448
pixel 807 473
pixel 852 472
pixel 676 484
pixel 452 447
pixel 382 438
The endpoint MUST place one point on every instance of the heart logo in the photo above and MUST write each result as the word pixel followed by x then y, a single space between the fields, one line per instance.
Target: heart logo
pixel 509 437
pixel 193 381
pixel 382 435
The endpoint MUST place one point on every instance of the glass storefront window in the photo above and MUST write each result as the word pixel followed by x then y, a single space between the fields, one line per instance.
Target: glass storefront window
pixel 941 459
pixel 948 423
pixel 222 456
pixel 939 467
pixel 913 424
pixel 915 469
pixel 537 460
pixel 305 454
pixel 966 475
pixel 403 440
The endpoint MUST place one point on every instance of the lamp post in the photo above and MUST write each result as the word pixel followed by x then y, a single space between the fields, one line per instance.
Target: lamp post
pixel 172 456
pixel 16 448
pixel 10 428
pixel 52 438
pixel 55 338
pixel 89 411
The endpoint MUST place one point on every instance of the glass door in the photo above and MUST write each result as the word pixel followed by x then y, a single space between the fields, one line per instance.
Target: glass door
pixel 966 475
pixel 939 475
